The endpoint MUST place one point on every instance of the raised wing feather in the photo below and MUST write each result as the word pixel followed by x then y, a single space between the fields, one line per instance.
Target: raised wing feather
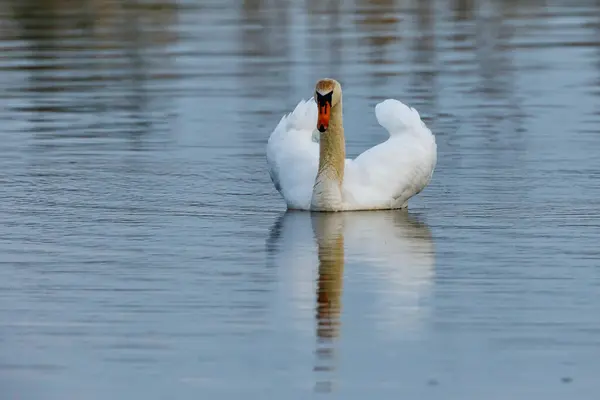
pixel 293 154
pixel 388 174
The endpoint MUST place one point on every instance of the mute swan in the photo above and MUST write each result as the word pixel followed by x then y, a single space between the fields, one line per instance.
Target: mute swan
pixel 310 171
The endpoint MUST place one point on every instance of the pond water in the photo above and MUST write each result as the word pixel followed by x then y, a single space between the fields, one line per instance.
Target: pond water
pixel 144 253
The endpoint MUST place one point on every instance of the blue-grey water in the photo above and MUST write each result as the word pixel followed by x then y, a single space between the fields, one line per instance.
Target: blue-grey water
pixel 144 253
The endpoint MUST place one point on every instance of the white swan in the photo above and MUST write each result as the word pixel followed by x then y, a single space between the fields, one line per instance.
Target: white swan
pixel 311 172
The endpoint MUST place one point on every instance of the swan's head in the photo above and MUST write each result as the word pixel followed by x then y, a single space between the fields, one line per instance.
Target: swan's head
pixel 328 93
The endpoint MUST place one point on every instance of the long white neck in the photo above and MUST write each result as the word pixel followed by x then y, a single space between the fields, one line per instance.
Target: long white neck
pixel 327 190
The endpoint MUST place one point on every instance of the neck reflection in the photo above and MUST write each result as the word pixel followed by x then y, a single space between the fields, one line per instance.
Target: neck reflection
pixel 328 230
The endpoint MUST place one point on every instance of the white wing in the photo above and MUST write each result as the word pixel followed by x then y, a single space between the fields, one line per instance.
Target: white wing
pixel 390 173
pixel 293 155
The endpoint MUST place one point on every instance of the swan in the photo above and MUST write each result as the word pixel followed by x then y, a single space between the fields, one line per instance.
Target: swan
pixel 307 165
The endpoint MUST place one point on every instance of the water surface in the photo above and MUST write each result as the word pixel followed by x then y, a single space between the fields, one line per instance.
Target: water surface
pixel 144 253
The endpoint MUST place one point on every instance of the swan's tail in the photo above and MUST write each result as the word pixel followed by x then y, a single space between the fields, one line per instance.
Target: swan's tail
pixel 398 118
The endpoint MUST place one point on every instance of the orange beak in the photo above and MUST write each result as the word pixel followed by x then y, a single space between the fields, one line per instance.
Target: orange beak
pixel 324 111
pixel 324 105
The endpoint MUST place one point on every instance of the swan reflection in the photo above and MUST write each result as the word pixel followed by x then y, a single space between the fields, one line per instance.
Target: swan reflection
pixel 384 261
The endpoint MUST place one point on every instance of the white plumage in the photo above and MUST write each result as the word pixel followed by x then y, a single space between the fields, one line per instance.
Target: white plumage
pixel 385 176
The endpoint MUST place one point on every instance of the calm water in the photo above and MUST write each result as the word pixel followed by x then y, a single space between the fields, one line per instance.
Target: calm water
pixel 144 253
